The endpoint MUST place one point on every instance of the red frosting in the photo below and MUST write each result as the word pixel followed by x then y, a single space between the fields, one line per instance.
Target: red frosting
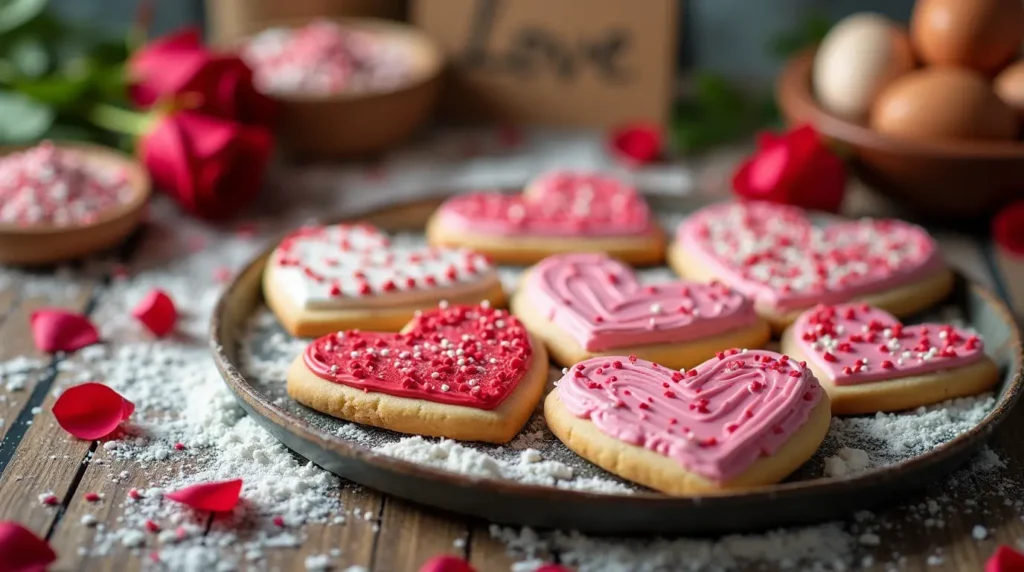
pixel 462 355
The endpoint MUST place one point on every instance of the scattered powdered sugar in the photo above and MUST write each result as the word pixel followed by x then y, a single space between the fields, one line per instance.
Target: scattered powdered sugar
pixel 188 429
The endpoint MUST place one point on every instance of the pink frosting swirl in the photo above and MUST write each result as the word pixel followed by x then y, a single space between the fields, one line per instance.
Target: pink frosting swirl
pixel 601 304
pixel 774 254
pixel 715 420
pixel 857 343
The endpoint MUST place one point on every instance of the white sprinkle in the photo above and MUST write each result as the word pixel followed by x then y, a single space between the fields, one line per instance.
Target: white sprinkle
pixel 979 532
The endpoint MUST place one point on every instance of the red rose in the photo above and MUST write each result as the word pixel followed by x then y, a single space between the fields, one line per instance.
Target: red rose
pixel 179 65
pixel 636 143
pixel 794 168
pixel 212 167
pixel 1008 228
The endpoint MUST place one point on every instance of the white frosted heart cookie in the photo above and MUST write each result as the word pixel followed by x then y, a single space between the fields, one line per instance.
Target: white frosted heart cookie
pixel 471 373
pixel 558 213
pixel 740 420
pixel 585 305
pixel 868 361
pixel 776 256
pixel 323 279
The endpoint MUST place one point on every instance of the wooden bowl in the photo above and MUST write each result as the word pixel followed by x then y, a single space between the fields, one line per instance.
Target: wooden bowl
pixel 950 180
pixel 358 124
pixel 41 244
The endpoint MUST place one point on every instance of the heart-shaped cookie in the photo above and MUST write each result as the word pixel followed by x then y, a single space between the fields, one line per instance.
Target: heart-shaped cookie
pixel 559 212
pixel 869 361
pixel 327 278
pixel 774 254
pixel 464 372
pixel 584 305
pixel 741 419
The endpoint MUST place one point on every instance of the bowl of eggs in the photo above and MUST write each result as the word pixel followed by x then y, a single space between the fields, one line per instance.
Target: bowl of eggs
pixel 931 115
pixel 348 87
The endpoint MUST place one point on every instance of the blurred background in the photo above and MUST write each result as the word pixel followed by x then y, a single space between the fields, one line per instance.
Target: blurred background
pixel 730 37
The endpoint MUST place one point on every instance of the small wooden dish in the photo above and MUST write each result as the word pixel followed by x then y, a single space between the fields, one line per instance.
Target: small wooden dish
pixel 357 124
pixel 951 180
pixel 315 436
pixel 42 244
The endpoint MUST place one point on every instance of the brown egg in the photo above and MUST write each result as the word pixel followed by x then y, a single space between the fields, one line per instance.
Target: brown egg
pixel 1009 86
pixel 980 34
pixel 942 103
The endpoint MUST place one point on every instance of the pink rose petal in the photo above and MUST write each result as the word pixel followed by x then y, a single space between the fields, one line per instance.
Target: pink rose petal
pixel 446 563
pixel 1005 559
pixel 23 551
pixel 57 330
pixel 157 312
pixel 216 497
pixel 553 568
pixel 91 410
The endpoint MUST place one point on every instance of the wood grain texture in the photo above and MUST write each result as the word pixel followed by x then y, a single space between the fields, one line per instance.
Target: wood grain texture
pixel 349 544
pixel 410 535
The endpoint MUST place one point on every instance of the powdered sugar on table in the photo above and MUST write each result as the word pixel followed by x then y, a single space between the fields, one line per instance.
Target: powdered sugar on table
pixel 181 399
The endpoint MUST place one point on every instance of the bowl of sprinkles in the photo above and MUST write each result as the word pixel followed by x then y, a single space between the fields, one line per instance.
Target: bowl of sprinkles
pixel 347 87
pixel 60 201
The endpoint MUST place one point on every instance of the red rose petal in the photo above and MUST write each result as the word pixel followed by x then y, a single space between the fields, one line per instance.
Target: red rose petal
pixel 1005 559
pixel 446 563
pixel 91 410
pixel 57 330
pixel 1008 228
pixel 157 312
pixel 553 568
pixel 23 551
pixel 216 497
pixel 636 143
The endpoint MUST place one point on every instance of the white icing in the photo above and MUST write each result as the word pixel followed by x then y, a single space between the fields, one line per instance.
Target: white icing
pixel 345 266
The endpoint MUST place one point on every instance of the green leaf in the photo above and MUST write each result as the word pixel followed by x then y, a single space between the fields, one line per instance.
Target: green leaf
pixel 58 91
pixel 15 13
pixel 717 95
pixel 29 56
pixel 810 32
pixel 22 119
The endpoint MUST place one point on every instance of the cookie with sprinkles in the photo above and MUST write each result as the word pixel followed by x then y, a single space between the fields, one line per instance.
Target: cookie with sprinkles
pixel 471 373
pixel 743 419
pixel 869 361
pixel 586 305
pixel 787 264
pixel 560 212
pixel 323 279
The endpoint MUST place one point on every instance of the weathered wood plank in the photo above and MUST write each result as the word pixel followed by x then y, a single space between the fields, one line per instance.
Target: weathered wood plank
pixel 410 535
pixel 486 553
pixel 348 544
pixel 16 389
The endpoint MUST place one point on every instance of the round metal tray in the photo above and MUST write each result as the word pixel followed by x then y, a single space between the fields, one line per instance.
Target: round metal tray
pixel 642 512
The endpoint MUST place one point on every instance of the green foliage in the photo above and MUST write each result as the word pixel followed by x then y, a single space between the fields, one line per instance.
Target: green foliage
pixel 809 33
pixel 51 72
pixel 717 113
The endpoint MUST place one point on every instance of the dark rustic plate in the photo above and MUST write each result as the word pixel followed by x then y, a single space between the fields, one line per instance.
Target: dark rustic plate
pixel 642 512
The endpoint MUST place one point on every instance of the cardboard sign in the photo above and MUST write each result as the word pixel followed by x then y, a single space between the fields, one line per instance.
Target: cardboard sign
pixel 571 62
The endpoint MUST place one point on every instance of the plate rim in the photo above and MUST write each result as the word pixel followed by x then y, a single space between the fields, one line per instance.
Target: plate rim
pixel 254 400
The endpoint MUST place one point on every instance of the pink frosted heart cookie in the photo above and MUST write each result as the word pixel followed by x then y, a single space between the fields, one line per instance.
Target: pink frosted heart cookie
pixel 463 372
pixel 868 361
pixel 327 278
pixel 559 212
pixel 585 305
pixel 775 255
pixel 742 419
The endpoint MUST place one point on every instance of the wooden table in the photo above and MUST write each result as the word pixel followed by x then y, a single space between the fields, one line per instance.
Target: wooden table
pixel 36 456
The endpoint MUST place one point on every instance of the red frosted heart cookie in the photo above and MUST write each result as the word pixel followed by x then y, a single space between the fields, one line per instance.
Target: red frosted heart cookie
pixel 868 361
pixel 326 278
pixel 741 419
pixel 559 212
pixel 774 254
pixel 583 305
pixel 464 372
